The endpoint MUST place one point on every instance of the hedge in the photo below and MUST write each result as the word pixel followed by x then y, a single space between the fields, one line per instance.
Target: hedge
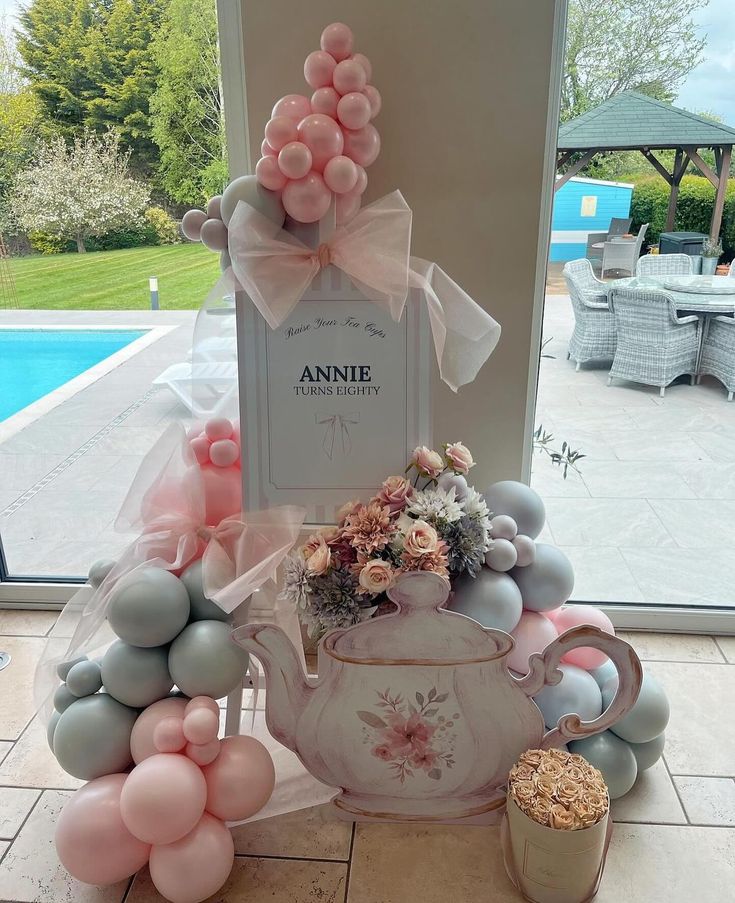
pixel 157 228
pixel 694 209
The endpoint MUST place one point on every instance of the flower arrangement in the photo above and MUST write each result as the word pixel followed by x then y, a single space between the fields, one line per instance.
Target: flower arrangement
pixel 711 248
pixel 428 519
pixel 558 789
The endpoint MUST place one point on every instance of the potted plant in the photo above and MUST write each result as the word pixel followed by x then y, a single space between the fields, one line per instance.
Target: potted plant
pixel 711 251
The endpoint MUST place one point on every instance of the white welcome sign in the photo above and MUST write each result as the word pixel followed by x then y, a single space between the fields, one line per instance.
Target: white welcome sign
pixel 332 401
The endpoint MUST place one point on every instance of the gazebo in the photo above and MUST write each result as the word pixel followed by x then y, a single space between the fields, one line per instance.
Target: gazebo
pixel 633 121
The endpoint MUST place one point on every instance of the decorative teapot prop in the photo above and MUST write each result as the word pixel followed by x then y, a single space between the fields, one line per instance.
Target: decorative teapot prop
pixel 415 715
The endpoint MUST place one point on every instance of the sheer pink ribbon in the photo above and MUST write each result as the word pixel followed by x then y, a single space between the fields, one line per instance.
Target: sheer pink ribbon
pixel 374 250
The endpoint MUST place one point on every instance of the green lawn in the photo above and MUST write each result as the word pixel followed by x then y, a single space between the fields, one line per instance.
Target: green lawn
pixel 116 280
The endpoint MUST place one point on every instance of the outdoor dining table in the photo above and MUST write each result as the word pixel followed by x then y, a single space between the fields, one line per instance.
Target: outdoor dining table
pixel 705 296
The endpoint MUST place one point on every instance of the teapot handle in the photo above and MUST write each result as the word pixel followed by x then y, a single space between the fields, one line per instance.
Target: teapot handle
pixel 544 670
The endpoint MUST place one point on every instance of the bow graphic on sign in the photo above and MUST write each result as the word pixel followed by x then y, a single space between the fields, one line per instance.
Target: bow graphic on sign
pixel 335 422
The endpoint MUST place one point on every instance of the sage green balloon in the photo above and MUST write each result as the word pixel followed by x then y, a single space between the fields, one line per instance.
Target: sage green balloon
pixel 63 698
pixel 613 757
pixel 491 598
pixel 92 737
pixel 520 502
pixel 205 661
pixel 99 570
pixel 648 717
pixel 51 727
pixel 65 667
pixel 84 678
pixel 149 607
pixel 202 608
pixel 248 189
pixel 135 676
pixel 548 581
pixel 647 754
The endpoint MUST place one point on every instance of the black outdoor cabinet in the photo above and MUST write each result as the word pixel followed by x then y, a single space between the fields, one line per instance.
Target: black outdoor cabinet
pixel 681 243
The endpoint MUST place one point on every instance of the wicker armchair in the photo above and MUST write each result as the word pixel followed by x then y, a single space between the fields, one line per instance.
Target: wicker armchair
pixel 623 255
pixel 655 344
pixel 594 325
pixel 718 352
pixel 618 226
pixel 664 265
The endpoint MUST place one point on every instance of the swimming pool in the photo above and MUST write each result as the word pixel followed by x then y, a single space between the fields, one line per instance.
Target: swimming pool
pixel 34 362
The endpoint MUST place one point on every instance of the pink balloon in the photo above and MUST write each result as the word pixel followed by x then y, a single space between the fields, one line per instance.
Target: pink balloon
pixel 224 453
pixel 533 633
pixel 307 200
pixel 196 866
pixel 323 136
pixel 202 702
pixel 362 145
pixel 222 490
pixel 200 447
pixel 279 131
pixel 349 76
pixel 337 39
pixel 141 739
pixel 268 173
pixel 295 106
pixel 575 616
pixel 554 613
pixel 240 781
pixel 203 753
pixel 201 726
pixel 163 798
pixel 373 96
pixel 325 100
pixel 218 428
pixel 266 150
pixel 340 174
pixel 318 69
pixel 362 180
pixel 193 220
pixel 347 206
pixel 365 63
pixel 92 842
pixel 294 160
pixel 168 736
pixel 353 110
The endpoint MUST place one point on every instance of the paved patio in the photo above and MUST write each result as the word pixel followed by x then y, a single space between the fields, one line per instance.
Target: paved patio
pixel 651 516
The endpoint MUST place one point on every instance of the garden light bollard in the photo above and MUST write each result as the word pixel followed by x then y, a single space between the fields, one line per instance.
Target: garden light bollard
pixel 153 286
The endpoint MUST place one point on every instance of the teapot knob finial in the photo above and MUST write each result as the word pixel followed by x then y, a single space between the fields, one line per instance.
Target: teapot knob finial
pixel 419 589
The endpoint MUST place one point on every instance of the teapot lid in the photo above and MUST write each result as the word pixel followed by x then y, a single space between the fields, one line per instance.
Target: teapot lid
pixel 420 632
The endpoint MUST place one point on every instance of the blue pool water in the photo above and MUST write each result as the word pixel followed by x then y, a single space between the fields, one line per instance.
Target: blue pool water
pixel 34 362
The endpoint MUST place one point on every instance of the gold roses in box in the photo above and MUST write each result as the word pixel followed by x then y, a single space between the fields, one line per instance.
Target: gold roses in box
pixel 558 789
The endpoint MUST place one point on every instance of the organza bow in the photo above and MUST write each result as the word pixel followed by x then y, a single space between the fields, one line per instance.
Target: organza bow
pixel 374 250
pixel 333 423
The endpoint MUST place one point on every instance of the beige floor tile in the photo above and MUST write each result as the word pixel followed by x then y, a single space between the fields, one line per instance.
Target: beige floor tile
pixel 15 804
pixel 27 623
pixel 652 800
pixel 265 881
pixel 315 833
pixel 672 647
pixel 700 738
pixel 708 801
pixel 5 747
pixel 656 863
pixel 32 764
pixel 398 864
pixel 727 644
pixel 16 684
pixel 31 871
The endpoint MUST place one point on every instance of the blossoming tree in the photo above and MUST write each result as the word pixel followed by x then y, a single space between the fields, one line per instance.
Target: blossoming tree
pixel 78 191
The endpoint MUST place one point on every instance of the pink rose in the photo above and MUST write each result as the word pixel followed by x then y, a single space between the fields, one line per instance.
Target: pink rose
pixel 428 461
pixel 421 539
pixel 382 752
pixel 424 757
pixel 347 509
pixel 319 557
pixel 376 576
pixel 394 493
pixel 459 457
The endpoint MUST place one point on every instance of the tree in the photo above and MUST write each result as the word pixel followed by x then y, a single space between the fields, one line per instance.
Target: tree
pixel 79 191
pixel 619 45
pixel 186 107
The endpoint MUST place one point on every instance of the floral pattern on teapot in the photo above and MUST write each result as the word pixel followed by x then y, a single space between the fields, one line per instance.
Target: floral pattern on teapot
pixel 411 738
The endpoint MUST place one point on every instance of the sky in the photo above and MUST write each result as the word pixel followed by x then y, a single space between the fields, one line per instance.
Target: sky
pixel 711 86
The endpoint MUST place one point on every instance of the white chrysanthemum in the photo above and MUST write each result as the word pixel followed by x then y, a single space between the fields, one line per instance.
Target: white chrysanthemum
pixel 474 504
pixel 436 504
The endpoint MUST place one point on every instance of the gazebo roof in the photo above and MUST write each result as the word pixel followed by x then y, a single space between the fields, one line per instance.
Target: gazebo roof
pixel 630 120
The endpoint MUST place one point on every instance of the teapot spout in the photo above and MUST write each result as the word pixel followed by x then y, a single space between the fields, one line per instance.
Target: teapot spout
pixel 288 688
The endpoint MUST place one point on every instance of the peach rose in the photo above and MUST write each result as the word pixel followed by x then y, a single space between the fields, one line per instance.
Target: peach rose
pixel 551 767
pixel 394 493
pixel 545 785
pixel 459 457
pixel 596 800
pixel 584 815
pixel 351 507
pixel 560 817
pixel 330 534
pixel 532 757
pixel 540 810
pixel 522 772
pixel 559 755
pixel 421 539
pixel 319 558
pixel 574 773
pixel 428 461
pixel 567 790
pixel 376 576
pixel 523 792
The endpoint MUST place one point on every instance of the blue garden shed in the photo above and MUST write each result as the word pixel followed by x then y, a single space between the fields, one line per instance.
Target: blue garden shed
pixel 582 206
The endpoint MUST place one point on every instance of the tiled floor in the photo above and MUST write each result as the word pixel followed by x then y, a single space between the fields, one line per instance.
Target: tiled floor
pixel 674 838
pixel 650 515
